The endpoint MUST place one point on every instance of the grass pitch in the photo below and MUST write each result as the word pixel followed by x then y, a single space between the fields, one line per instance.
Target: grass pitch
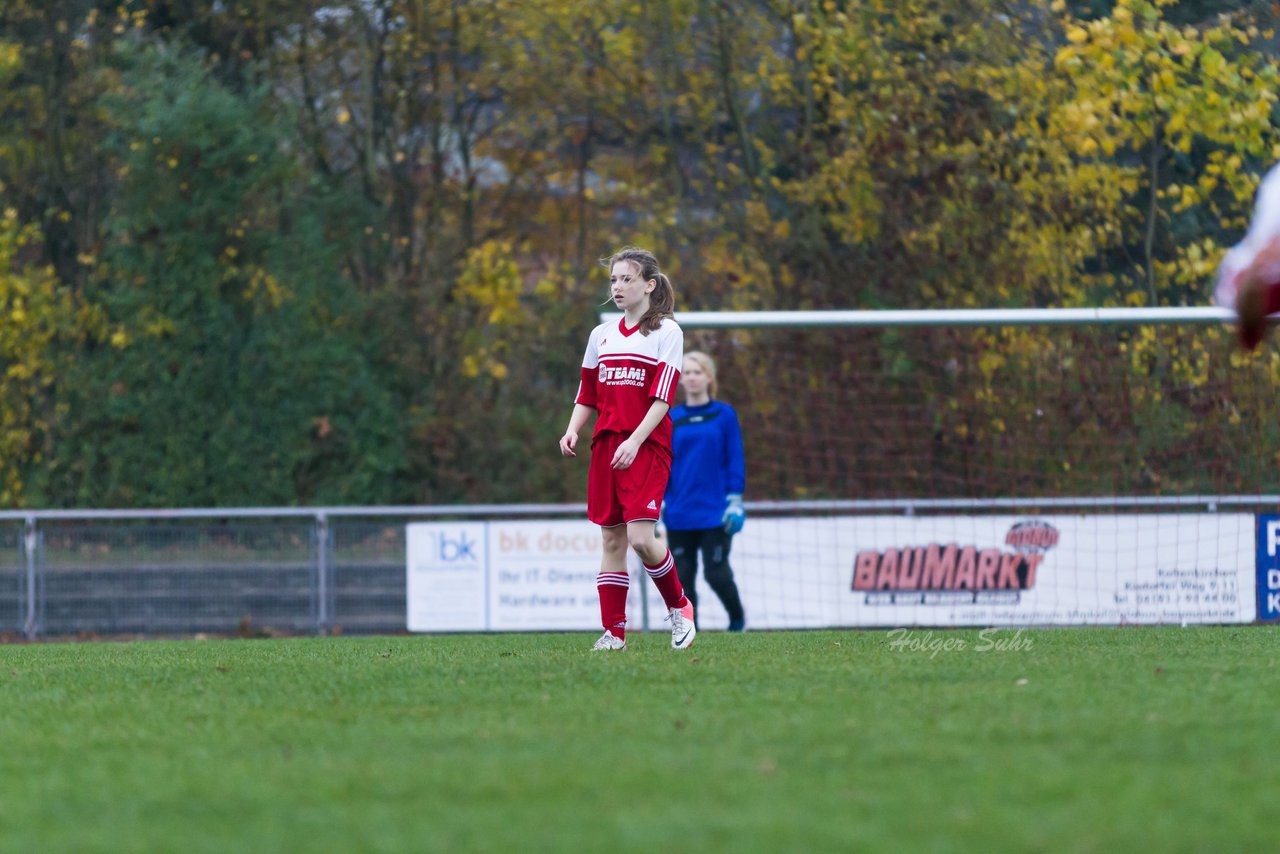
pixel 1055 740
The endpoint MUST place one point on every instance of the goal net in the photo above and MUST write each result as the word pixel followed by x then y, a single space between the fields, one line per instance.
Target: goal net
pixel 918 474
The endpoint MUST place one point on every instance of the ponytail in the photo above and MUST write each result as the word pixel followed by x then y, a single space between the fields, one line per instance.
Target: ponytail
pixel 662 304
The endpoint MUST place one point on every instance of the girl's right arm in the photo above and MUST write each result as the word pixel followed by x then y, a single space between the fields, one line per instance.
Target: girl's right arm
pixel 569 441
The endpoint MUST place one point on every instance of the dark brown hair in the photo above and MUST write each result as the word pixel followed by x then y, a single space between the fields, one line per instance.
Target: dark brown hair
pixel 662 300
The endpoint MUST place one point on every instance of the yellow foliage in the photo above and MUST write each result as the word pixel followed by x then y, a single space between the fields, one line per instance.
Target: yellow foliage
pixel 37 313
pixel 490 283
pixel 490 280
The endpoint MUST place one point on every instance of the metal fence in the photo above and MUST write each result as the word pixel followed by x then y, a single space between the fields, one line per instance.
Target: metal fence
pixel 13 593
pixel 226 571
pixel 310 571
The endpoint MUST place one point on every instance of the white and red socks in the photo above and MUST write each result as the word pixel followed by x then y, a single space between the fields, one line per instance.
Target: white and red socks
pixel 667 581
pixel 612 587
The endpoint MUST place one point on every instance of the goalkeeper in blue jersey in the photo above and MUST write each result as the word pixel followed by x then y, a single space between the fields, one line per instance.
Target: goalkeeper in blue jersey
pixel 703 506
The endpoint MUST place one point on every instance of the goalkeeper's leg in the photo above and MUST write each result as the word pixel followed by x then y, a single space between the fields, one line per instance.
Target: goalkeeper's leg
pixel 684 548
pixel 715 562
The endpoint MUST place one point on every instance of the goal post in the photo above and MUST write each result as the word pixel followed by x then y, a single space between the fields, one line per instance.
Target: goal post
pixel 1088 404
pixel 948 317
pixel 998 466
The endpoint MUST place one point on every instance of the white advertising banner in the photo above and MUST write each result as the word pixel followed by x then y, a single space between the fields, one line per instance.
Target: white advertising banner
pixel 859 571
pixel 447 578
pixel 507 576
pixel 543 575
pixel 894 571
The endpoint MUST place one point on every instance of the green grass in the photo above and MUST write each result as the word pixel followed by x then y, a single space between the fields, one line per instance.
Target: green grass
pixel 1088 740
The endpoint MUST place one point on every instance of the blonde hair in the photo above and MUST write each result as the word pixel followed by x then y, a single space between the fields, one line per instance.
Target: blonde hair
pixel 708 366
pixel 662 299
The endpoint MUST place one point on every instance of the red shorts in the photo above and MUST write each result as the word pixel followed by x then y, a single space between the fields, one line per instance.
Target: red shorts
pixel 618 496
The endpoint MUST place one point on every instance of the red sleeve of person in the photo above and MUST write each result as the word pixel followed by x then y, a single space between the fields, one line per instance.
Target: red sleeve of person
pixel 1249 276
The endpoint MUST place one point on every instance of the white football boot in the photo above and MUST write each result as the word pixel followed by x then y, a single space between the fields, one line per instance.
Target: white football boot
pixel 682 629
pixel 610 642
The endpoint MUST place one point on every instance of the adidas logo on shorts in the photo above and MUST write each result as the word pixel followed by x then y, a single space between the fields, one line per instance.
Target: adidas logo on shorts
pixel 652 506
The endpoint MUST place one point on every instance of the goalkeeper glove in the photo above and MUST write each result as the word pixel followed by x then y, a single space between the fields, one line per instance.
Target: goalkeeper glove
pixel 734 515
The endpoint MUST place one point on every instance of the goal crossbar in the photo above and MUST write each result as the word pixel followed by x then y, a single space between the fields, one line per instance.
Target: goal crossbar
pixel 949 317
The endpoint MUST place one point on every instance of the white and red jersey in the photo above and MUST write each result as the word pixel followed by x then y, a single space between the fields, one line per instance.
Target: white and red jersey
pixel 624 371
pixel 1260 248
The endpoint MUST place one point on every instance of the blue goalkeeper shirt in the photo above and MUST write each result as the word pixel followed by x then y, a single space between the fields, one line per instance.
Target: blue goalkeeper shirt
pixel 707 464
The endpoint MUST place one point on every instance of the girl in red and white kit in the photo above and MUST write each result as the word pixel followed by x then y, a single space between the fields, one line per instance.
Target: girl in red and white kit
pixel 629 378
pixel 1249 276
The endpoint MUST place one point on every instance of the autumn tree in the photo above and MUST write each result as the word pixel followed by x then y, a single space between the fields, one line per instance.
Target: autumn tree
pixel 241 370
pixel 399 205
